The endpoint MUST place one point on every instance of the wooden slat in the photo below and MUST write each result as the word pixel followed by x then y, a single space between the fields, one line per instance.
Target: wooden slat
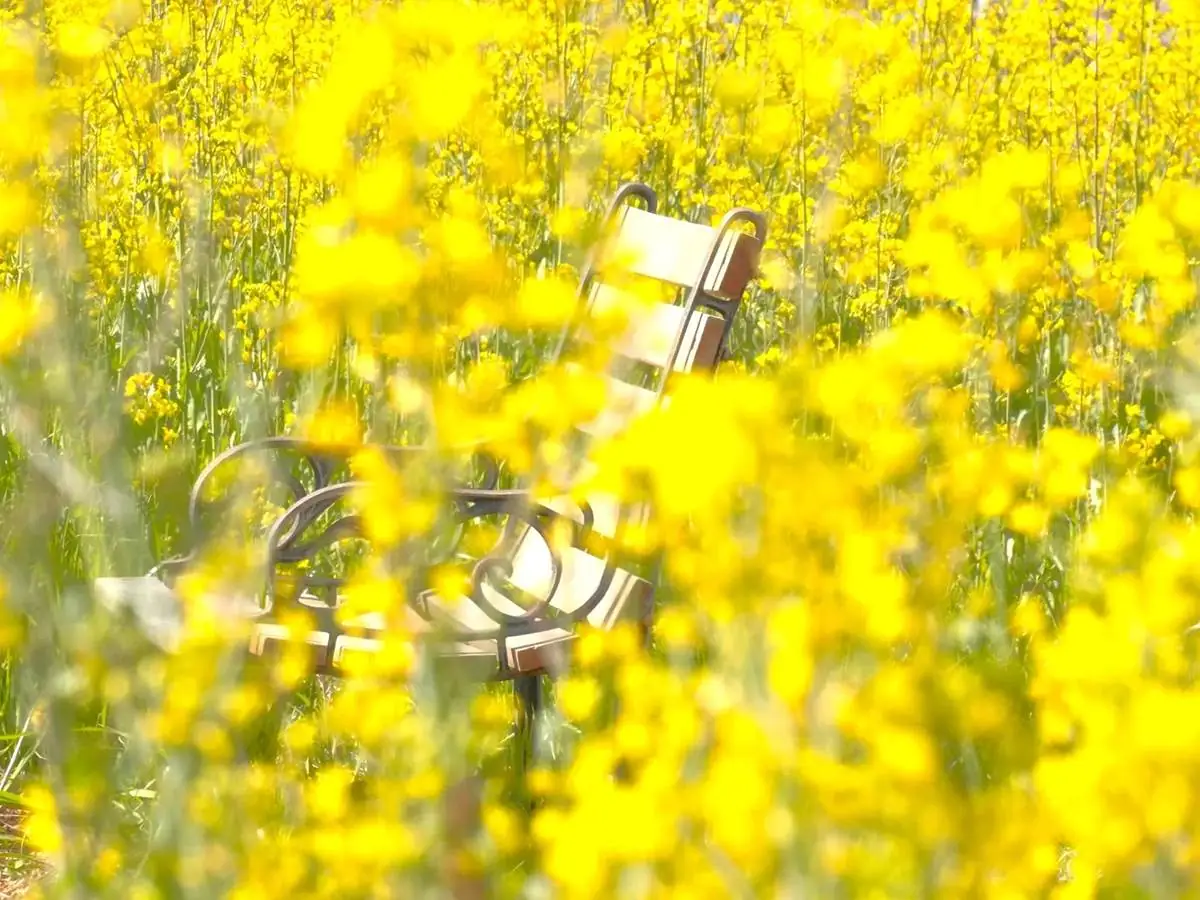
pixel 628 596
pixel 581 577
pixel 267 636
pixel 526 653
pixel 586 572
pixel 652 330
pixel 462 613
pixel 157 610
pixel 605 509
pixel 624 403
pixel 482 653
pixel 674 251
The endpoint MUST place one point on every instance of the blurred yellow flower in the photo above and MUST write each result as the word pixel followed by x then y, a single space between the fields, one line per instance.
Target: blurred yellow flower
pixel 20 316
pixel 1029 519
pixel 41 826
pixel 79 41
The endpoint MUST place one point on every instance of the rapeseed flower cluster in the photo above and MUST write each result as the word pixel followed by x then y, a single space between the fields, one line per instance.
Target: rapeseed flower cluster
pixel 928 572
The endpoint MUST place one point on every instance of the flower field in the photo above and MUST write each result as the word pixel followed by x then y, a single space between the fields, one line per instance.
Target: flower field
pixel 929 565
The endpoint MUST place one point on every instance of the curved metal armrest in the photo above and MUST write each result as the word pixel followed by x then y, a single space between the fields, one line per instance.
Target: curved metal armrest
pixel 491 572
pixel 540 614
pixel 284 537
pixel 504 500
pixel 321 461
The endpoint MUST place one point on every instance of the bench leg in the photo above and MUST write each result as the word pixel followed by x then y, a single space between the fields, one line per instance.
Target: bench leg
pixel 464 798
pixel 462 810
pixel 530 701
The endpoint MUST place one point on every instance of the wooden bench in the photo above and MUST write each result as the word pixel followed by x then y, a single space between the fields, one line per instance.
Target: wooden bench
pixel 528 595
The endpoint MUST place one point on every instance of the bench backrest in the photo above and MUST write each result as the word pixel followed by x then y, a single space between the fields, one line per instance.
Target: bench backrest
pixel 707 267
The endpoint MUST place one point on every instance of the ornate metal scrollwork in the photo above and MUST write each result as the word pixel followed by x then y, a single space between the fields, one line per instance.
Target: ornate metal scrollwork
pixel 289 544
pixel 323 465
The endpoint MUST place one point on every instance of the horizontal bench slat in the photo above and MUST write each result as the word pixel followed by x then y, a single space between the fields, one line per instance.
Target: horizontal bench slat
pixel 624 402
pixel 652 329
pixel 674 251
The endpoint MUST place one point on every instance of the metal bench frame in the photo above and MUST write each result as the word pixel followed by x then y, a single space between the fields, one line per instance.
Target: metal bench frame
pixel 286 537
